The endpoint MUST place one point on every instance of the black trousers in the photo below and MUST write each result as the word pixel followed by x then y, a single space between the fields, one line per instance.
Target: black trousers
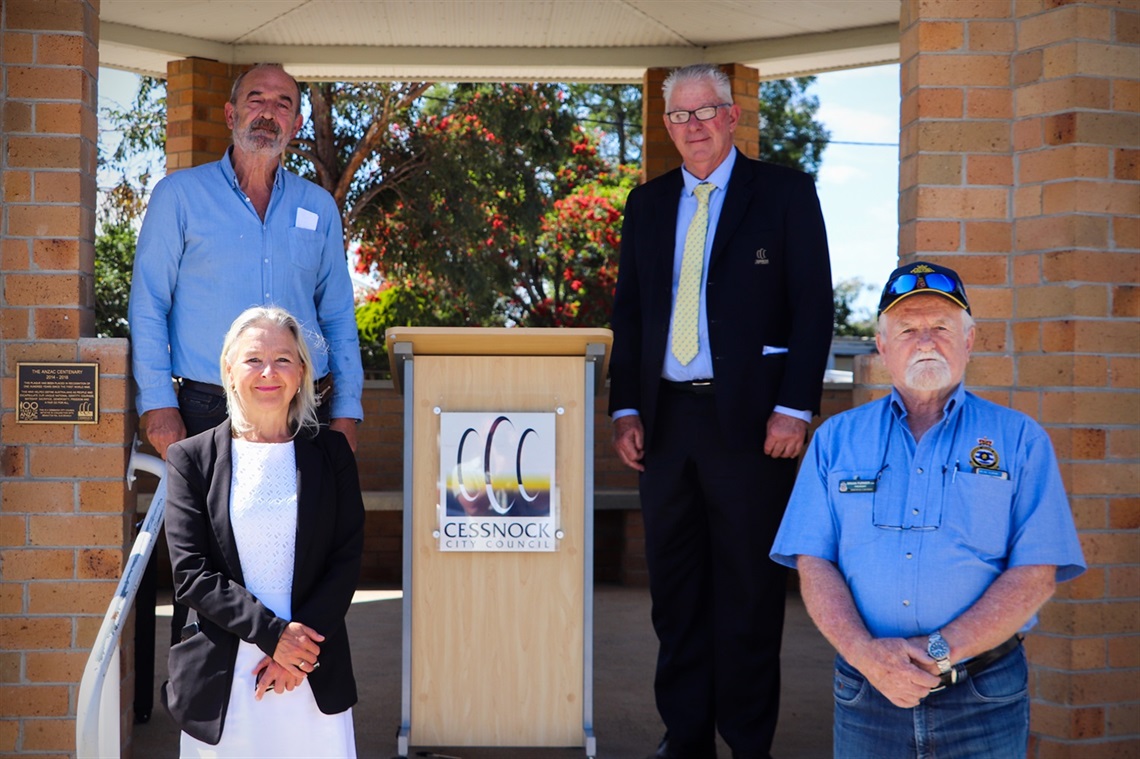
pixel 711 509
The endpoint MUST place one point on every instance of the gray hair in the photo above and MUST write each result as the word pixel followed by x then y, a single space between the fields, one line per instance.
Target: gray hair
pixel 967 322
pixel 303 407
pixel 698 72
pixel 260 67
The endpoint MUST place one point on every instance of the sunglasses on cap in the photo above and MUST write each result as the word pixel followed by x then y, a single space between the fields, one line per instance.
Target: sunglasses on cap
pixel 902 285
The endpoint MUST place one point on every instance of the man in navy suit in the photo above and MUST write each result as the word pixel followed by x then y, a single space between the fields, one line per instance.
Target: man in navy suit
pixel 717 368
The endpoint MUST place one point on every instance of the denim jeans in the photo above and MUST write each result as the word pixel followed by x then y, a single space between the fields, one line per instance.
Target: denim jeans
pixel 981 717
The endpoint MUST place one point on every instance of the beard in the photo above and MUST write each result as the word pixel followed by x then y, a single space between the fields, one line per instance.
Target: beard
pixel 261 136
pixel 928 371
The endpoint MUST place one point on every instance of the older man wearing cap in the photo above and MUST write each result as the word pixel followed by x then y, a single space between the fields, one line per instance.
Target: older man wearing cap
pixel 928 528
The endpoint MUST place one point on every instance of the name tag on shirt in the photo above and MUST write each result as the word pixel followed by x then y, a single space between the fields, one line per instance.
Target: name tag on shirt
pixel 1001 474
pixel 306 219
pixel 857 486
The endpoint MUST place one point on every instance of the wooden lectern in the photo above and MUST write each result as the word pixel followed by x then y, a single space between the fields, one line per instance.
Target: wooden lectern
pixel 498 646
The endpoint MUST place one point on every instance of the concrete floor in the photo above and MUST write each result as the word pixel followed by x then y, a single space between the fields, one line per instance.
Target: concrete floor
pixel 626 722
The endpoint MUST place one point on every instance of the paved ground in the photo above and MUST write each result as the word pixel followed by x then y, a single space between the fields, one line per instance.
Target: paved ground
pixel 626 722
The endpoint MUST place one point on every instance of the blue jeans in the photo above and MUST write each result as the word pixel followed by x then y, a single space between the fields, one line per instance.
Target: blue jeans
pixel 981 717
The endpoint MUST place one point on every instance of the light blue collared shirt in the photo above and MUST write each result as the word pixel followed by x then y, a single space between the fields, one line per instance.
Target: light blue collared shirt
pixel 204 256
pixel 920 530
pixel 701 367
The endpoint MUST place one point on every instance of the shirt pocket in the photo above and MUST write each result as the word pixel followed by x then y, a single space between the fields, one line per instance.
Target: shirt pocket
pixel 853 506
pixel 305 248
pixel 980 507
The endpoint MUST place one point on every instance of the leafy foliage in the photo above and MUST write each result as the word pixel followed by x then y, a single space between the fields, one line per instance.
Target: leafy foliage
pixel 515 217
pixel 849 320
pixel 789 133
pixel 355 142
pixel 114 257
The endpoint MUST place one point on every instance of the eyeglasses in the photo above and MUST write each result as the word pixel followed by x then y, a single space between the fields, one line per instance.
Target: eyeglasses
pixel 703 114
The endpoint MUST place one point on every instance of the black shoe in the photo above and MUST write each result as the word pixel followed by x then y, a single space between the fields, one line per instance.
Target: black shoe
pixel 668 749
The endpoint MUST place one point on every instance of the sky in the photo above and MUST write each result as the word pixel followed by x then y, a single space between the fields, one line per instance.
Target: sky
pixel 858 183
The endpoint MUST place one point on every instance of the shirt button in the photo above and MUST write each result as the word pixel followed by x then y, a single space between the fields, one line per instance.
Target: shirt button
pixel 266 260
pixel 912 511
pixel 267 295
pixel 906 603
pixel 909 555
pixel 920 470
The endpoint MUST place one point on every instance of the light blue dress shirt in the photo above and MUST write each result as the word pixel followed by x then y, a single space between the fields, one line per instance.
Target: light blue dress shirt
pixel 920 530
pixel 701 366
pixel 204 256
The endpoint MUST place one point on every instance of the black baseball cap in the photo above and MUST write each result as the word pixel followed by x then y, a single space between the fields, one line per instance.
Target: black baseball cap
pixel 923 277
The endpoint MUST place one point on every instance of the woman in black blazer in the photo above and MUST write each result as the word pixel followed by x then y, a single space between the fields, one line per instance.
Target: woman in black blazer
pixel 265 527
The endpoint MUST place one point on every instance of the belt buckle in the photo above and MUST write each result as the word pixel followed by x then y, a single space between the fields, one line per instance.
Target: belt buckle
pixel 700 383
pixel 953 680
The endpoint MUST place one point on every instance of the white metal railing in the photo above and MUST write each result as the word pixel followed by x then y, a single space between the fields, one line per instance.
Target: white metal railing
pixel 97 712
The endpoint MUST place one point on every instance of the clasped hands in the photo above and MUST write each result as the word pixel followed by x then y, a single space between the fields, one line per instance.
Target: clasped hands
pixel 294 658
pixel 899 668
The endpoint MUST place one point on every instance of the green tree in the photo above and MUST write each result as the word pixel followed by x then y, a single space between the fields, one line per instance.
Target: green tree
pixel 355 143
pixel 515 218
pixel 789 133
pixel 613 111
pixel 851 321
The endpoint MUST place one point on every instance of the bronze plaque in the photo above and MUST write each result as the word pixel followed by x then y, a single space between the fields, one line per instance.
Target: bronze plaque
pixel 57 393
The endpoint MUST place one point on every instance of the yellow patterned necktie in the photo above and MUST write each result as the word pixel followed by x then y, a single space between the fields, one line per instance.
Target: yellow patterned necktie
pixel 686 307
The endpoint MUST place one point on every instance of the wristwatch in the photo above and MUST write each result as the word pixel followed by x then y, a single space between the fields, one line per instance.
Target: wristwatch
pixel 939 651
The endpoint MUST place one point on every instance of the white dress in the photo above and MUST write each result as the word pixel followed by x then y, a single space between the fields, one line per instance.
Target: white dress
pixel 263 513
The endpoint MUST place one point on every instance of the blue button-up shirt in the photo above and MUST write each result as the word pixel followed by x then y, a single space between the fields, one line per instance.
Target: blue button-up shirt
pixel 204 256
pixel 920 529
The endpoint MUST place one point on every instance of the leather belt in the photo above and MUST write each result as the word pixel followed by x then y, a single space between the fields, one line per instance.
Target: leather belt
pixel 697 387
pixel 202 387
pixel 978 664
pixel 322 387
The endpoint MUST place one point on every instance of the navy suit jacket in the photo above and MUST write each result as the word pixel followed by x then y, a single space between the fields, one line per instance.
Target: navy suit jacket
pixel 208 574
pixel 768 283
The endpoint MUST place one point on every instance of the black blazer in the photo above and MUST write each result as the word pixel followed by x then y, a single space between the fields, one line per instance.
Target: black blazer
pixel 208 576
pixel 768 283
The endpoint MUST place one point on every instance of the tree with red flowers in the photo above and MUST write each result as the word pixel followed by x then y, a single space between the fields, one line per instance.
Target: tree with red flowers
pixel 516 218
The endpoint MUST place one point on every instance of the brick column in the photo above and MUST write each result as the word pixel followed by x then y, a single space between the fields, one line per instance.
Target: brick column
pixel 64 520
pixel 658 155
pixel 197 91
pixel 1019 168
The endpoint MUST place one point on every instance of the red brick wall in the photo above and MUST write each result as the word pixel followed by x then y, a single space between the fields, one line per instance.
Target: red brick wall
pixel 63 519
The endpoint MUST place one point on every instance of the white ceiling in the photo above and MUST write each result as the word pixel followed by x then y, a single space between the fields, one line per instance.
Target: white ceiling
pixel 502 40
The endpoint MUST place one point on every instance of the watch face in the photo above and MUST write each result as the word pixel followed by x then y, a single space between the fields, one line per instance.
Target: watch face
pixel 938 648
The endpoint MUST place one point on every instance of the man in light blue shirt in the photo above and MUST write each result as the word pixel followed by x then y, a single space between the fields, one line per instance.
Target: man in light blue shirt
pixel 220 238
pixel 928 528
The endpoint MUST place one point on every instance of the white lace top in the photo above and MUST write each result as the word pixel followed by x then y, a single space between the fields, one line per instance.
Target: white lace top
pixel 263 513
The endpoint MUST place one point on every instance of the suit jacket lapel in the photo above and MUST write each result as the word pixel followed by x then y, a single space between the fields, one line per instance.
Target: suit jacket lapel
pixel 664 231
pixel 309 489
pixel 218 501
pixel 736 200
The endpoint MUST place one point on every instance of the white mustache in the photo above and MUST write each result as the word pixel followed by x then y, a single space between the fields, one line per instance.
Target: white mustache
pixel 932 356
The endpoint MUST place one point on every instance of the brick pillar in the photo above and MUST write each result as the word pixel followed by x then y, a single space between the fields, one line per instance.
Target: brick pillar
pixel 197 91
pixel 658 155
pixel 64 521
pixel 1019 168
